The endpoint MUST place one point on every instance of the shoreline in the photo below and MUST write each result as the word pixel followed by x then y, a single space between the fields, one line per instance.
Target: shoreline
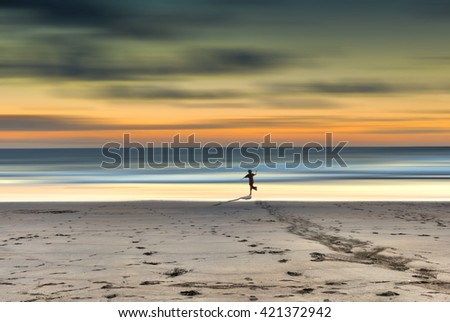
pixel 333 191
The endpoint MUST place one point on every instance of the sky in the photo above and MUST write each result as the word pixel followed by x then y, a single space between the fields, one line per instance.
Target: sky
pixel 81 73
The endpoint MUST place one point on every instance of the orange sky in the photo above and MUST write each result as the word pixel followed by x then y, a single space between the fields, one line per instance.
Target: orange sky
pixel 393 120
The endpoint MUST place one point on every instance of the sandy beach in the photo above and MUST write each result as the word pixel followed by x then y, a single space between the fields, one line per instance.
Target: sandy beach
pixel 241 251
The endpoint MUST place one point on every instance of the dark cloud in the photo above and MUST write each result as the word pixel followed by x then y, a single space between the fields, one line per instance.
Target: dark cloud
pixel 153 92
pixel 58 123
pixel 86 61
pixel 75 70
pixel 29 123
pixel 351 88
pixel 44 123
pixel 88 40
pixel 347 87
pixel 78 13
pixel 232 60
pixel 61 57
pixel 64 12
pixel 133 20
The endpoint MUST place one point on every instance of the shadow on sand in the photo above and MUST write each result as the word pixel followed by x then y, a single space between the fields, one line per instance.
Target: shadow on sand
pixel 248 197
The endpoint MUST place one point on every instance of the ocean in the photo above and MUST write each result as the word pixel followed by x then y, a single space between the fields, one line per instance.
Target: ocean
pixel 371 173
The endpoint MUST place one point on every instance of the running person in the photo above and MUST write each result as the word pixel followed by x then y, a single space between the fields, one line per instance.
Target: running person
pixel 250 176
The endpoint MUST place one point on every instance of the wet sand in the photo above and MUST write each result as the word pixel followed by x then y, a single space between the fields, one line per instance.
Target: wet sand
pixel 240 251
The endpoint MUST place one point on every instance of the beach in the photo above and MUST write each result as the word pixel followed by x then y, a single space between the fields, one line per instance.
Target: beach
pixel 238 251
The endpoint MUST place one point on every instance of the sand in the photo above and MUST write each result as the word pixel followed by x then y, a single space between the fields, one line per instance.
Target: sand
pixel 239 251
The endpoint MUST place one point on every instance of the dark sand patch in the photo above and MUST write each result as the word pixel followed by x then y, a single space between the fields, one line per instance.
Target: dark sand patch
pixel 176 272
pixel 190 293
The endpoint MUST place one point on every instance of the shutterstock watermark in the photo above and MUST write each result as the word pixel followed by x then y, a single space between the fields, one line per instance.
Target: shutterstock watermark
pixel 189 153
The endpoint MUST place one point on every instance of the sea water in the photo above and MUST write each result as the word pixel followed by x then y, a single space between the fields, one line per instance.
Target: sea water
pixel 369 173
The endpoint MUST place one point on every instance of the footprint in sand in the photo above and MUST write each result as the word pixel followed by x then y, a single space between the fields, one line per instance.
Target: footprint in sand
pixel 151 263
pixel 150 283
pixel 111 296
pixel 176 272
pixel 7 283
pixel 388 294
pixel 190 293
pixel 283 296
pixel 317 257
pixel 335 283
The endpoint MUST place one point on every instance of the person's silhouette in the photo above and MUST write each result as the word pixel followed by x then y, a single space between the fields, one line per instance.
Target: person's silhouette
pixel 250 176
